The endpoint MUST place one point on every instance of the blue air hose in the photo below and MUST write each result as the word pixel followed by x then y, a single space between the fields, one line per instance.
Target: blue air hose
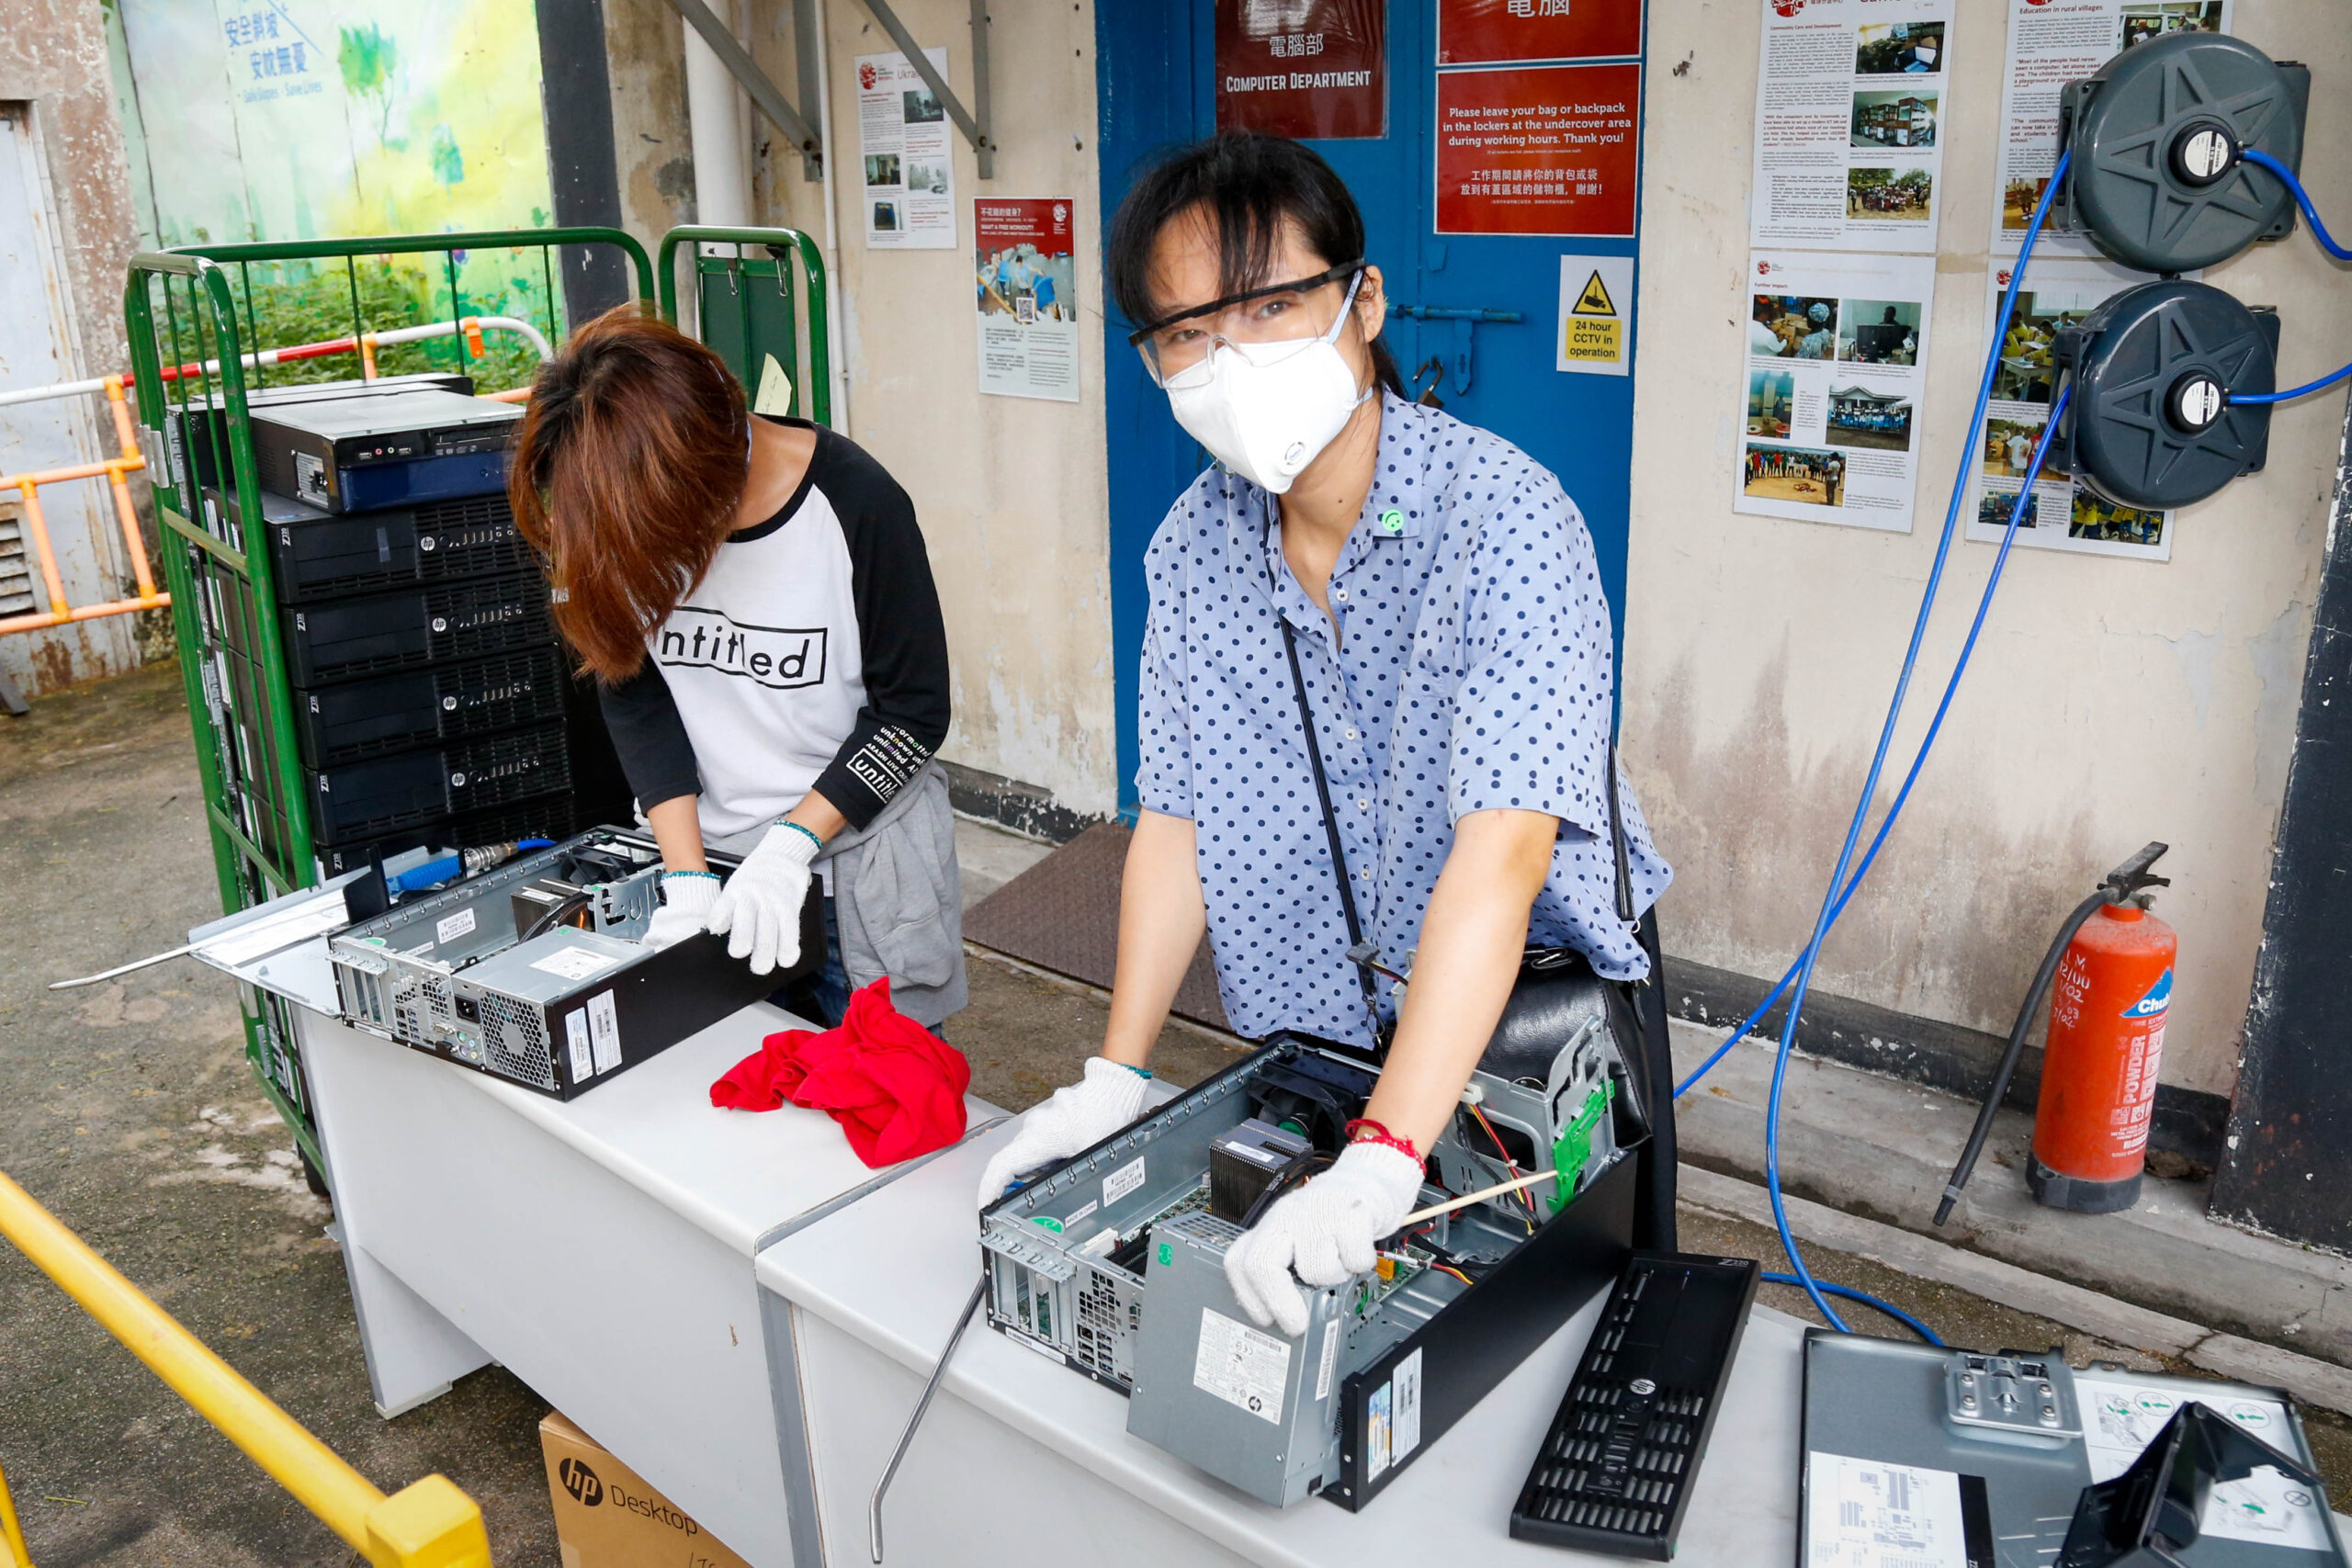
pixel 2330 380
pixel 1831 901
pixel 1896 1313
pixel 1878 840
pixel 2262 160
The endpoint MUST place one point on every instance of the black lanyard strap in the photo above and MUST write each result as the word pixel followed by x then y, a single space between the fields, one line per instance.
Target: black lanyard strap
pixel 1330 821
pixel 1619 854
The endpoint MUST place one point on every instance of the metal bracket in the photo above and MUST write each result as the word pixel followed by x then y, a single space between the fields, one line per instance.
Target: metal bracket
pixel 975 123
pixel 765 94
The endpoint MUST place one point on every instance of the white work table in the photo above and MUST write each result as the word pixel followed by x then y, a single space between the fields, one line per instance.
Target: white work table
pixel 601 1249
pixel 1023 1462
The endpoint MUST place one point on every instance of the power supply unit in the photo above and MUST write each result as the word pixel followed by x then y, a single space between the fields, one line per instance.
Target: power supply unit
pixel 360 454
pixel 384 714
pixel 379 633
pixel 366 800
pixel 316 554
pixel 560 1004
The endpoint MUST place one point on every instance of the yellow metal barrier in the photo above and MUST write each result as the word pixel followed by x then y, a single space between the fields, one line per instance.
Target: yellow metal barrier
pixel 12 1539
pixel 430 1524
pixel 116 472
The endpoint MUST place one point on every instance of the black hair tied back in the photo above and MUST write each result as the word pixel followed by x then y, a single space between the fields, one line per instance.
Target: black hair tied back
pixel 1248 185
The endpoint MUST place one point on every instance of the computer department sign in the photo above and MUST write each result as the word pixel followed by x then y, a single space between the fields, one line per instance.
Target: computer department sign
pixel 1306 69
pixel 1539 150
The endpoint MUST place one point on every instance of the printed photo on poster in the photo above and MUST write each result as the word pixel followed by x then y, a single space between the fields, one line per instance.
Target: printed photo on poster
pixel 1851 98
pixel 1303 68
pixel 1025 286
pixel 907 154
pixel 1835 366
pixel 2047 47
pixel 1513 32
pixel 1539 150
pixel 2061 515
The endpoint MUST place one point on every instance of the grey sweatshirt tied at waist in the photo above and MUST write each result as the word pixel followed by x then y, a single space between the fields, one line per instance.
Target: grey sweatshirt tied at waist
pixel 897 899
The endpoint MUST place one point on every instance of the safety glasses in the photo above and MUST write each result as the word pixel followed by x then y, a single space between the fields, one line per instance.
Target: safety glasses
pixel 1271 323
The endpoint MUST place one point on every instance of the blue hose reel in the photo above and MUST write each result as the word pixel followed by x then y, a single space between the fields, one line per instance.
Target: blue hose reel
pixel 2159 176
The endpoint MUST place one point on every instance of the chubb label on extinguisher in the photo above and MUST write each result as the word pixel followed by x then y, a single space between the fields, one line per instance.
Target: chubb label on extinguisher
pixel 2158 999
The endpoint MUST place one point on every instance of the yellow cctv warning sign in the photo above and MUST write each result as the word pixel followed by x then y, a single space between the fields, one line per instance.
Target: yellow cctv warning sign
pixel 1595 336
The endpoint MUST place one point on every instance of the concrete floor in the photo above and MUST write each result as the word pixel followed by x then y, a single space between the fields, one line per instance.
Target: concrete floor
pixel 129 1110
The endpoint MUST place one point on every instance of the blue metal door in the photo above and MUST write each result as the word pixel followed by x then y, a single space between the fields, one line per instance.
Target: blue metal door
pixel 1155 70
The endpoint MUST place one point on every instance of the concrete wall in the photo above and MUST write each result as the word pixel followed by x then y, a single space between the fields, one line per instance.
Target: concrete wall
pixel 53 55
pixel 2109 702
pixel 1011 492
pixel 645 57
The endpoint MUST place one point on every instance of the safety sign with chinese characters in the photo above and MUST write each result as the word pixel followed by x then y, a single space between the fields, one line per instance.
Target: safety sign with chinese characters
pixel 1596 330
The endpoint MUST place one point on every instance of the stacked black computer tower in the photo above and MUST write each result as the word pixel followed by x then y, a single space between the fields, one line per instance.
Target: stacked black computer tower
pixel 432 705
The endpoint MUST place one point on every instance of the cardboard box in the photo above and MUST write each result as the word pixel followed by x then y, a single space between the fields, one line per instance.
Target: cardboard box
pixel 607 1517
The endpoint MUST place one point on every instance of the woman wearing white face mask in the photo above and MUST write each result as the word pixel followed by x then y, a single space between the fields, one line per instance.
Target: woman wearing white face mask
pixel 1429 595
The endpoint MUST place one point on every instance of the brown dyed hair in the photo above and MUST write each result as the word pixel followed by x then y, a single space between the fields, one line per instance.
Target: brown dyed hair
pixel 629 466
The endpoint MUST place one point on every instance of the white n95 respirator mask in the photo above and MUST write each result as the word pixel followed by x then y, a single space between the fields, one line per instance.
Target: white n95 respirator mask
pixel 1267 409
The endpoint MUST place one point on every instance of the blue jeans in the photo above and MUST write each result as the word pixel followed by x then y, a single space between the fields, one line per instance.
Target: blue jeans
pixel 825 994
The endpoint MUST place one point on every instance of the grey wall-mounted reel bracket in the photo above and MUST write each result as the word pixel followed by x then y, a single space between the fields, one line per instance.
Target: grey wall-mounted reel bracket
pixel 2151 423
pixel 2157 178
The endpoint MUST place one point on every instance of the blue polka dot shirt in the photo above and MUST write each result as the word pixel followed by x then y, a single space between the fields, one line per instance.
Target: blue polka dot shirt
pixel 1472 671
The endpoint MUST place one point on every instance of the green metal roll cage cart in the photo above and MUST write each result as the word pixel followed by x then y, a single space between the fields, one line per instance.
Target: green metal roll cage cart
pixel 755 296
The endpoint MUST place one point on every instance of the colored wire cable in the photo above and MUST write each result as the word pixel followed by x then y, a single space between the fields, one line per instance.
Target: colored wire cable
pixel 1896 1313
pixel 1830 901
pixel 1510 1166
pixel 2287 176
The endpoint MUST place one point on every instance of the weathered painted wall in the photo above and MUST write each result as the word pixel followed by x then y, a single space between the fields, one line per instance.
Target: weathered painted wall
pixel 1011 492
pixel 2110 701
pixel 54 56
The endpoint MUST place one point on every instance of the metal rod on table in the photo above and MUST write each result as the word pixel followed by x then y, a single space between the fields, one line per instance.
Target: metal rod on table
pixel 873 1510
pixel 152 959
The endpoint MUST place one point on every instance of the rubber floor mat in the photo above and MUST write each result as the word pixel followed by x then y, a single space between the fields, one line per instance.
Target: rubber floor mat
pixel 1062 914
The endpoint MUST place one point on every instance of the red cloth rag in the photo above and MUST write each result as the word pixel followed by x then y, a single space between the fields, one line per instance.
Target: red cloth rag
pixel 896 1088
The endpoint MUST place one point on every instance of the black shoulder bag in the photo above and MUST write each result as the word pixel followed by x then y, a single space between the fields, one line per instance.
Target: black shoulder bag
pixel 1557 990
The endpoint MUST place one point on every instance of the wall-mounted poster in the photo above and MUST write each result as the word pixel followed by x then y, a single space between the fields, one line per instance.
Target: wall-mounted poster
pixel 1539 150
pixel 1025 284
pixel 1505 32
pixel 2057 292
pixel 1835 366
pixel 2049 47
pixel 906 154
pixel 1851 101
pixel 1303 68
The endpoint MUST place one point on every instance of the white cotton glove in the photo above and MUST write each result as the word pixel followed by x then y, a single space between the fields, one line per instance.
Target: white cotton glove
pixel 686 898
pixel 761 903
pixel 1329 1231
pixel 1078 1117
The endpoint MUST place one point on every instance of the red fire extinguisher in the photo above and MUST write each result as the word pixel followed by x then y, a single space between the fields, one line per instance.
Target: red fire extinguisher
pixel 2111 962
pixel 2098 1070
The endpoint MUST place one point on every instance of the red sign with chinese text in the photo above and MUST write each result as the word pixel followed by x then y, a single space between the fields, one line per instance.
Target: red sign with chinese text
pixel 1305 69
pixel 1539 150
pixel 1493 32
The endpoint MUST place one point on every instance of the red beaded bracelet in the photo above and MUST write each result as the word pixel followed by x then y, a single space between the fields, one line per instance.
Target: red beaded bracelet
pixel 1365 1129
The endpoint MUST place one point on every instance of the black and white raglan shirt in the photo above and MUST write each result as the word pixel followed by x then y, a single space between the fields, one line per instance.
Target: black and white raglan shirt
pixel 810 656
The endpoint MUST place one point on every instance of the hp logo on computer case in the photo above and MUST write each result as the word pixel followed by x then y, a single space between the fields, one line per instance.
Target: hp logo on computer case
pixel 580 1481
